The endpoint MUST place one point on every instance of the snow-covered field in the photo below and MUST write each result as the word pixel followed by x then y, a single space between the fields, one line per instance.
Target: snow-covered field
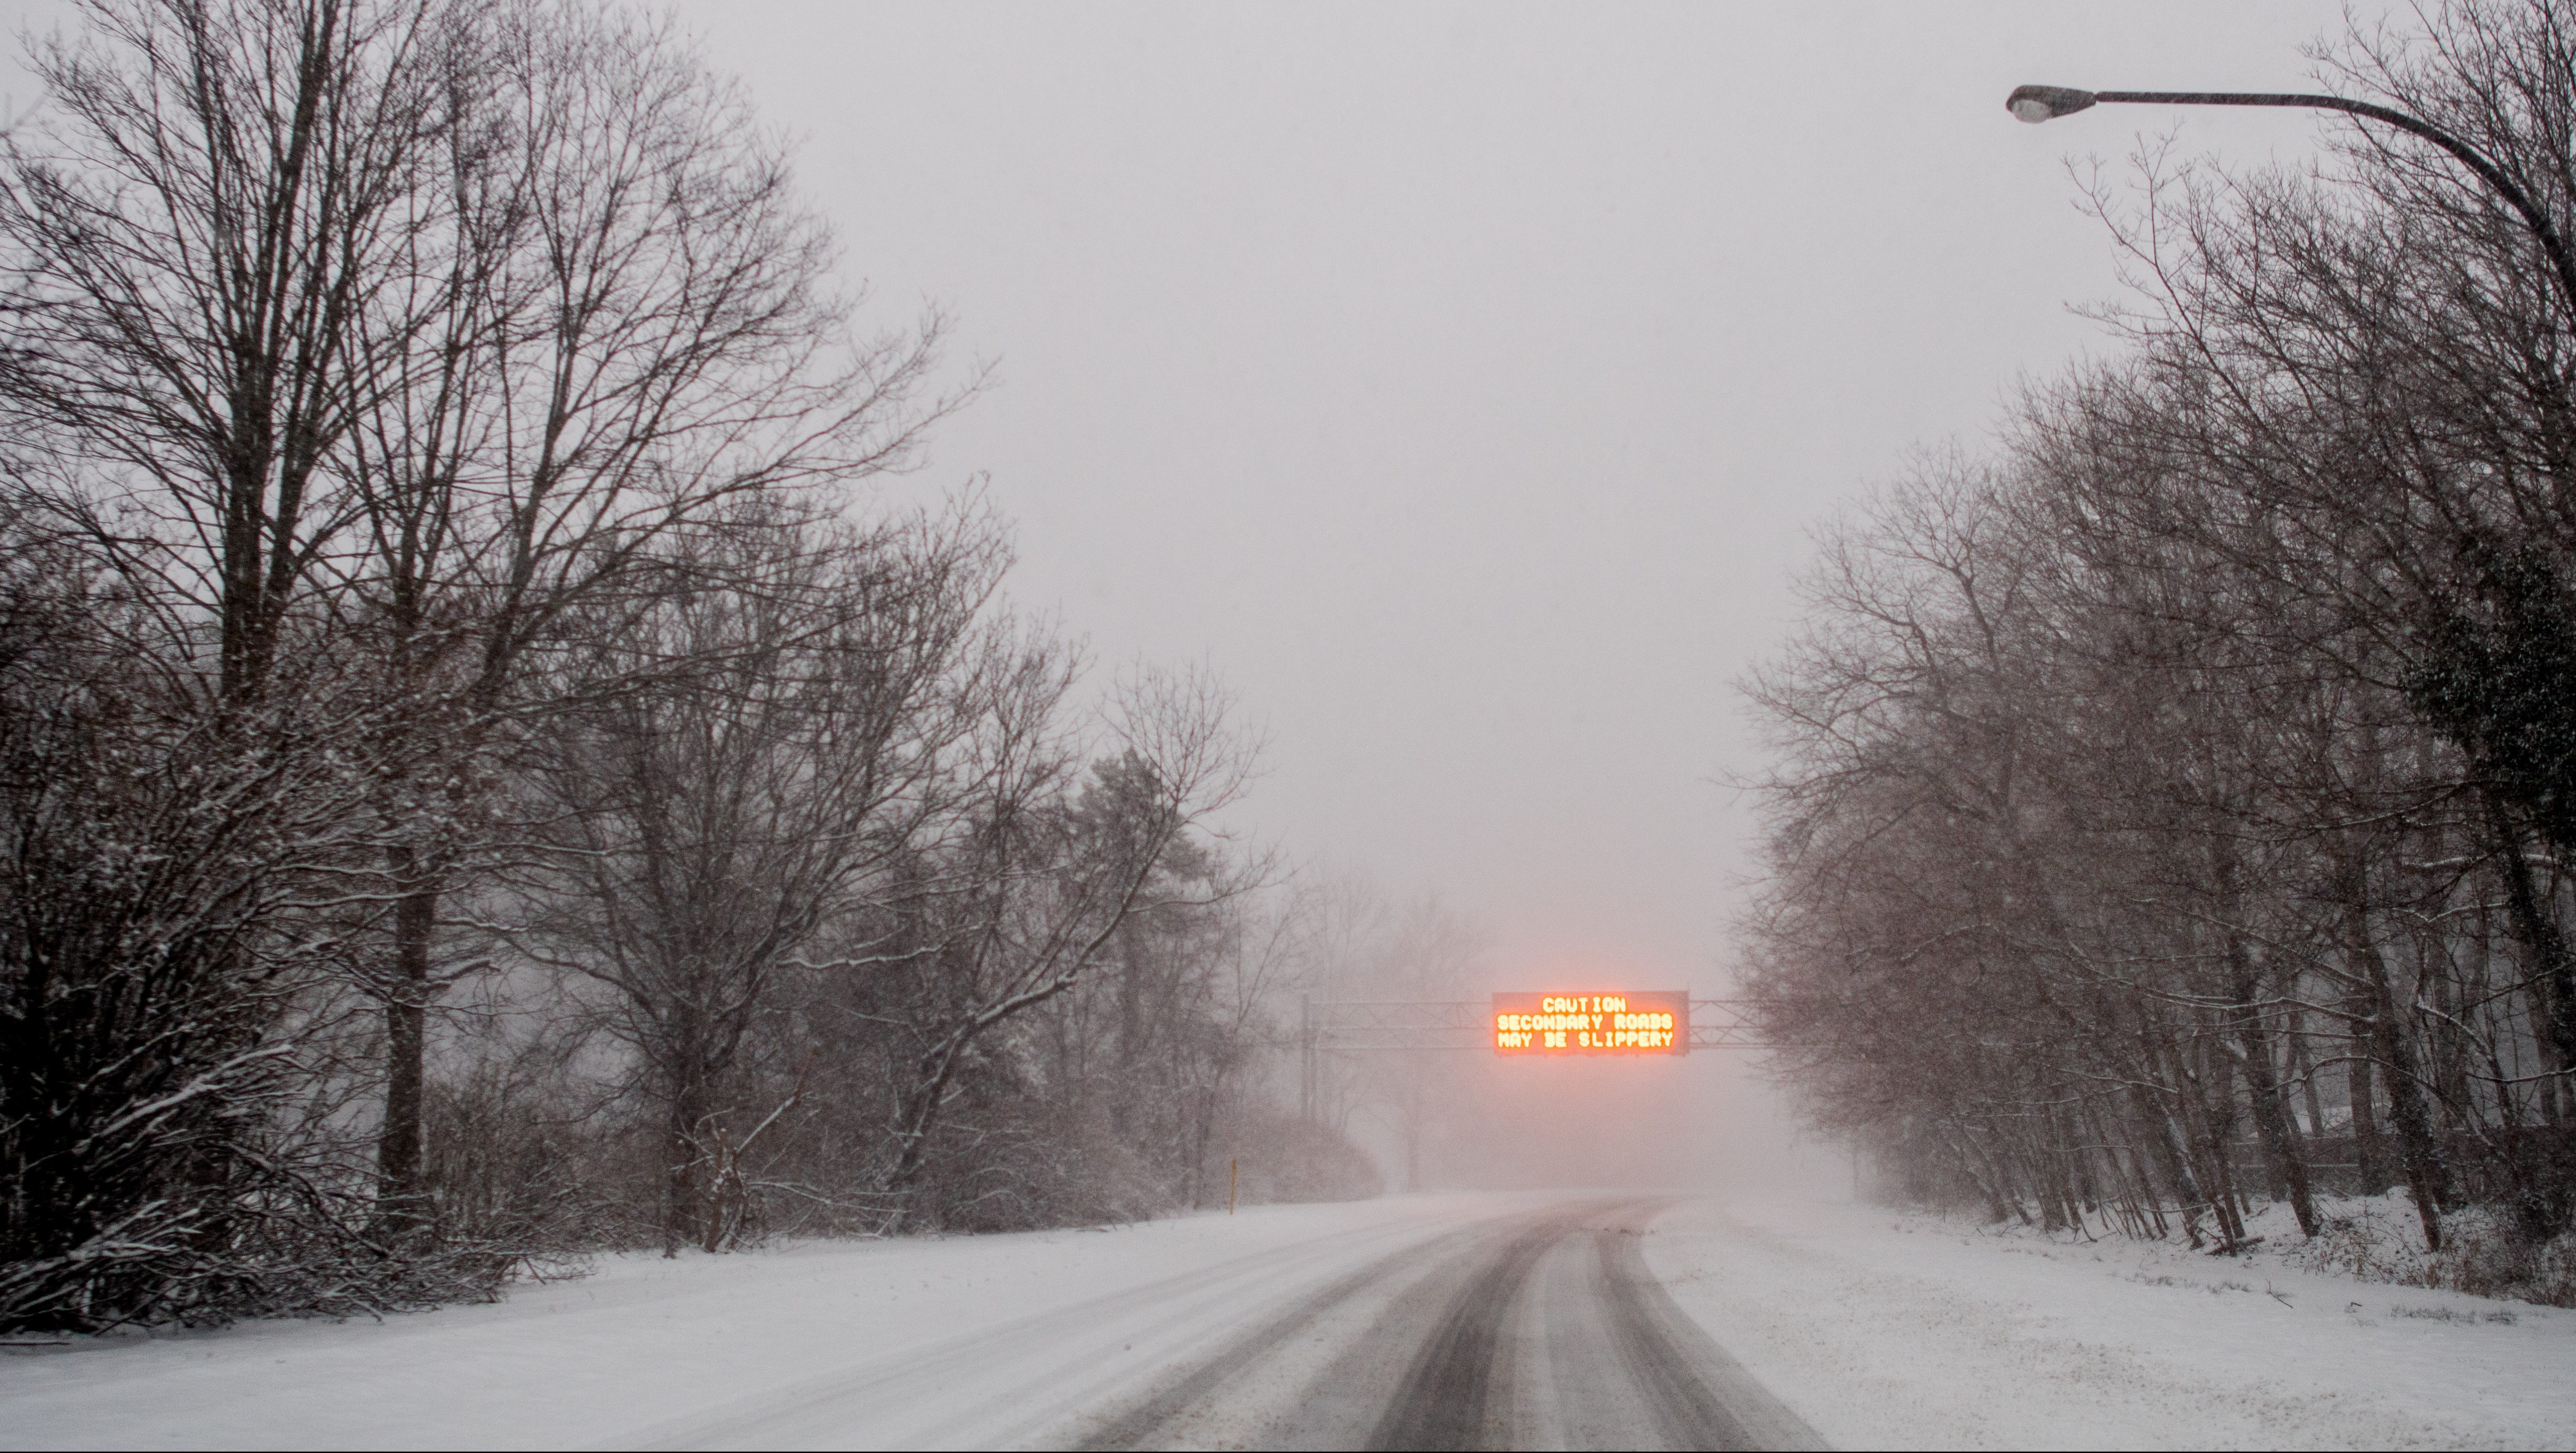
pixel 1880 1329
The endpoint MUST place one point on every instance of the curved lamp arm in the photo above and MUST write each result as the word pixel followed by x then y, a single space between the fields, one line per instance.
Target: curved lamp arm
pixel 2046 103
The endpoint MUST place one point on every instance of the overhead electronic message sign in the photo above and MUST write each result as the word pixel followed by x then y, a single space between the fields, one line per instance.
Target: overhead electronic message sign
pixel 1641 1021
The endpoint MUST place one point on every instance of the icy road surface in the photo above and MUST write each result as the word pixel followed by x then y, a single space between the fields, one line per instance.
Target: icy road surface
pixel 1414 1320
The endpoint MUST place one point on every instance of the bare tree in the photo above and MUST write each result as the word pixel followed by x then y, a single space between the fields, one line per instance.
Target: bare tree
pixel 436 557
pixel 632 331
pixel 213 202
pixel 708 828
pixel 1025 901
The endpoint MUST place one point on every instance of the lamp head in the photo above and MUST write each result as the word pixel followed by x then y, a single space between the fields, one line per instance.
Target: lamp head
pixel 2035 104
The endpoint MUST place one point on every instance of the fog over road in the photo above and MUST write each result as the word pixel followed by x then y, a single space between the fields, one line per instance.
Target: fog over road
pixel 1536 1326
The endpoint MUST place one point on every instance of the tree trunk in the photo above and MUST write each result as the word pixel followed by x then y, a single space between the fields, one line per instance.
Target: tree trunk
pixel 2369 1170
pixel 683 1207
pixel 2303 1069
pixel 401 1196
pixel 2553 972
pixel 2417 1154
pixel 2271 1113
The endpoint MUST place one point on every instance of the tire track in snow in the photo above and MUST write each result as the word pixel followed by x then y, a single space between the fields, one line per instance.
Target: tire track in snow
pixel 1447 1399
pixel 1531 1330
pixel 1700 1396
pixel 1144 1422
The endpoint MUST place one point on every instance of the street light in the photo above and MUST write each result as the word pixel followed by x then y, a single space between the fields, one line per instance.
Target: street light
pixel 2035 104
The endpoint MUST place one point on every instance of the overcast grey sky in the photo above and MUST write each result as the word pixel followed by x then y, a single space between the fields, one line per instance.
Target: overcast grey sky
pixel 1459 380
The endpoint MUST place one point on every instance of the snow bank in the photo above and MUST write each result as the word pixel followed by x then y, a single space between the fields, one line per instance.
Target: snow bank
pixel 1890 1330
pixel 2381 1238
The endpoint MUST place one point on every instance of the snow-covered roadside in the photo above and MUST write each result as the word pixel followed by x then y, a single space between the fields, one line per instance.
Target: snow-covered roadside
pixel 1893 1330
pixel 647 1346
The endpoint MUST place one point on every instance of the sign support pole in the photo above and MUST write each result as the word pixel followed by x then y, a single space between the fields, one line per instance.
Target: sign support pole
pixel 1307 1109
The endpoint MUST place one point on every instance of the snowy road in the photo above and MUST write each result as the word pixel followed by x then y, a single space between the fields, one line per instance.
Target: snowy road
pixel 1533 1328
pixel 1527 1319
